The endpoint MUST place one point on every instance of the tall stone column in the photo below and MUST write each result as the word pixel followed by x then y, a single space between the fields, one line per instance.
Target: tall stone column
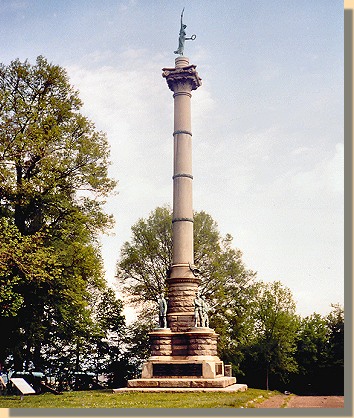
pixel 182 281
pixel 183 355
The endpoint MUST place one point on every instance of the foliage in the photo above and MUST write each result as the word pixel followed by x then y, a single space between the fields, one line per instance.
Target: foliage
pixel 260 334
pixel 320 354
pixel 312 343
pixel 144 262
pixel 21 255
pixel 53 182
pixel 109 342
pixel 137 343
pixel 335 323
pixel 226 283
pixel 96 349
pixel 142 269
pixel 275 330
pixel 109 314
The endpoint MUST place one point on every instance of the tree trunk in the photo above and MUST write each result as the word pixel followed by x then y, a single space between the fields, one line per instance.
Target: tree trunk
pixel 18 359
pixel 28 355
pixel 77 360
pixel 267 379
pixel 37 358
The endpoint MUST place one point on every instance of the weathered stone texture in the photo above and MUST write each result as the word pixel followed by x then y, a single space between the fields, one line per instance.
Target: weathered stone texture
pixel 182 293
pixel 143 383
pixel 220 382
pixel 180 323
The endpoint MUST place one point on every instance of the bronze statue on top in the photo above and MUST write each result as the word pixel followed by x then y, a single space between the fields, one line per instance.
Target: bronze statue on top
pixel 182 37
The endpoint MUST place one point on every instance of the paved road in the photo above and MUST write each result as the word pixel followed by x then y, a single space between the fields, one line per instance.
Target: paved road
pixel 294 401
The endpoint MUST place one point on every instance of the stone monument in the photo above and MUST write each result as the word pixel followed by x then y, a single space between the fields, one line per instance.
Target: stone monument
pixel 183 348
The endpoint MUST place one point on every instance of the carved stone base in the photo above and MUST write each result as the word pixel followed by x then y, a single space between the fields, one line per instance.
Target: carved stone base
pixel 181 294
pixel 177 367
pixel 194 342
pixel 183 359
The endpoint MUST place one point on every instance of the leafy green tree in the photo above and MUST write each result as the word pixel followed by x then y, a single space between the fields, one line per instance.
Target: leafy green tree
pixel 137 343
pixel 49 151
pixel 312 343
pixel 19 254
pixel 94 347
pixel 274 334
pixel 335 368
pixel 260 333
pixel 320 354
pixel 109 315
pixel 226 282
pixel 144 262
pixel 111 336
pixel 335 323
pixel 53 182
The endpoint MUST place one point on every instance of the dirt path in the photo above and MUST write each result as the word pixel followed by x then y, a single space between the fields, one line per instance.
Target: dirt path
pixel 316 402
pixel 273 402
pixel 294 401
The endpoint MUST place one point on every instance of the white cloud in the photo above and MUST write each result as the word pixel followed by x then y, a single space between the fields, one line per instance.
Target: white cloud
pixel 301 150
pixel 285 213
pixel 285 216
pixel 125 102
pixel 291 230
pixel 13 5
pixel 326 177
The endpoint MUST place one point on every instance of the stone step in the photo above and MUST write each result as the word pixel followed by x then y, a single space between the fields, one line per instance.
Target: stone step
pixel 219 382
pixel 237 387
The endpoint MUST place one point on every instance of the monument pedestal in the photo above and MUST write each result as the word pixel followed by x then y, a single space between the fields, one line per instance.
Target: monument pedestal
pixel 183 360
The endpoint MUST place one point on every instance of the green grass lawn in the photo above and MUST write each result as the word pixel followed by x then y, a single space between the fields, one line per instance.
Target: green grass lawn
pixel 107 399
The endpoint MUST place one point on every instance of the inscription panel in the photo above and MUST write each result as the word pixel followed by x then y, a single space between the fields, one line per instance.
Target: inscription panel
pixel 23 386
pixel 173 369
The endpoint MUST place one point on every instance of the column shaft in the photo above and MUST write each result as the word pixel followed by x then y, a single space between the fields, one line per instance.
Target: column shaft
pixel 182 283
pixel 182 177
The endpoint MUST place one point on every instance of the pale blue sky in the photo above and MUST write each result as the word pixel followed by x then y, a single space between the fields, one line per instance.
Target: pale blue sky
pixel 267 122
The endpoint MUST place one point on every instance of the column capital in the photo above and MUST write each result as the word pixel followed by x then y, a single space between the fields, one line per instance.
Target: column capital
pixel 182 75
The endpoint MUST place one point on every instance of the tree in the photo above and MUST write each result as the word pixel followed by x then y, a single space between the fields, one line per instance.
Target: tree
pixel 335 369
pixel 21 253
pixel 110 339
pixel 320 354
pixel 274 334
pixel 137 343
pixel 226 282
pixel 335 323
pixel 312 343
pixel 53 182
pixel 144 262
